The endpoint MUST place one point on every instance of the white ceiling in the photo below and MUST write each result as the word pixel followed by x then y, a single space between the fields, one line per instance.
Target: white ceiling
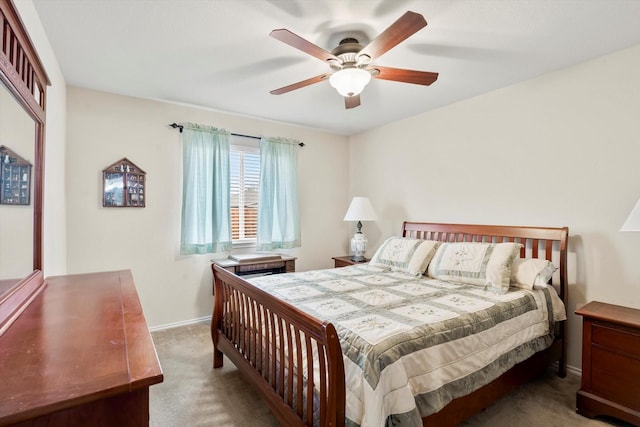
pixel 218 53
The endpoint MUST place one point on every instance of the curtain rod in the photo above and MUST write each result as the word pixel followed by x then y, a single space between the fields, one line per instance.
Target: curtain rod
pixel 177 126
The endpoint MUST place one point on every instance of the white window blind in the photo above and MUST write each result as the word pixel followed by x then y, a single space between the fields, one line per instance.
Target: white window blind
pixel 245 186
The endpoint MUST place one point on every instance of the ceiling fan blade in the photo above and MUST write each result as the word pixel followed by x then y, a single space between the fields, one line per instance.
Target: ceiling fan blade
pixel 306 46
pixel 301 84
pixel 405 76
pixel 407 25
pixel 351 101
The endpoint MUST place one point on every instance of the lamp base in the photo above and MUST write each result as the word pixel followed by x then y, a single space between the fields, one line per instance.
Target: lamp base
pixel 359 247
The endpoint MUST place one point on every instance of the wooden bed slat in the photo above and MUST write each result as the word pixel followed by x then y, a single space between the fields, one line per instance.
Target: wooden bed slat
pixel 274 351
pixel 280 362
pixel 256 336
pixel 243 326
pixel 323 389
pixel 299 370
pixel 287 367
pixel 309 389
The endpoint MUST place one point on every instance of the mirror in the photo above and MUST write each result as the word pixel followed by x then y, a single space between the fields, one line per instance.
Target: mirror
pixel 23 83
pixel 17 133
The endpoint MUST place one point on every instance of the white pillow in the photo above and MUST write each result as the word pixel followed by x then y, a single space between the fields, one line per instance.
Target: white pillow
pixel 482 264
pixel 404 254
pixel 528 273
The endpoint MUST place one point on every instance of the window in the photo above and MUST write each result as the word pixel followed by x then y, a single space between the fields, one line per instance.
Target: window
pixel 245 186
pixel 229 183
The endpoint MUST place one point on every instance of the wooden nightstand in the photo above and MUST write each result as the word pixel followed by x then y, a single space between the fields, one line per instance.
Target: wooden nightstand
pixel 610 362
pixel 344 261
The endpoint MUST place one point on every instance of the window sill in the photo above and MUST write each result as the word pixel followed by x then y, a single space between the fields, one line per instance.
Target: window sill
pixel 247 244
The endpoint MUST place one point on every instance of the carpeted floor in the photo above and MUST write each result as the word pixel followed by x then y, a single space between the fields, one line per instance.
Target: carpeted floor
pixel 194 394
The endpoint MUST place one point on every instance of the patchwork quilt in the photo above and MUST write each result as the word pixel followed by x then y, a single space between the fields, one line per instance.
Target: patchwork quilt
pixel 412 344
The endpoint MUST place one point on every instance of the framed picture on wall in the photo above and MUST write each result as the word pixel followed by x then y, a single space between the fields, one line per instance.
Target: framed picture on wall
pixel 123 185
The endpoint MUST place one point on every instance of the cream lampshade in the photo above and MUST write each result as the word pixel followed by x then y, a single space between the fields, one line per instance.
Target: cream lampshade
pixel 360 210
pixel 633 220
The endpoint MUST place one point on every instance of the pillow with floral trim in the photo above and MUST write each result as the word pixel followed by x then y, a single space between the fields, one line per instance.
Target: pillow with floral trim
pixel 482 264
pixel 405 254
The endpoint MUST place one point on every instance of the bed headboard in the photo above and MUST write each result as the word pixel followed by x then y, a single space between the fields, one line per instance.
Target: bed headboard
pixel 538 242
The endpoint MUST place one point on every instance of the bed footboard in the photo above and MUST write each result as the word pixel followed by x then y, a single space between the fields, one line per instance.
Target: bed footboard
pixel 294 360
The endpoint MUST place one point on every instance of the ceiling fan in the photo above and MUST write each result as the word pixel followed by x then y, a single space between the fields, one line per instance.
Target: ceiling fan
pixel 352 63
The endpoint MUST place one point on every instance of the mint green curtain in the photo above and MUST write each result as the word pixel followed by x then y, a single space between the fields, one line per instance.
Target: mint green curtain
pixel 206 214
pixel 278 218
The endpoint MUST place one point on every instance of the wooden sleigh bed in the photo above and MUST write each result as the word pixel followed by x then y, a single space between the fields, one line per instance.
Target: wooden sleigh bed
pixel 295 360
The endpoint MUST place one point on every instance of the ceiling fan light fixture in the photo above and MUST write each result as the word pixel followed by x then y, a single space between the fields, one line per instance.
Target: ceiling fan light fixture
pixel 350 81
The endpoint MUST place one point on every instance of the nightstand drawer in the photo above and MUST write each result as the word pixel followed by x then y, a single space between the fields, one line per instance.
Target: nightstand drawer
pixel 610 377
pixel 626 342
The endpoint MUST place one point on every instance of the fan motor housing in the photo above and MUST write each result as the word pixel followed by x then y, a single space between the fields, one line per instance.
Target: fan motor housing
pixel 347 51
pixel 347 46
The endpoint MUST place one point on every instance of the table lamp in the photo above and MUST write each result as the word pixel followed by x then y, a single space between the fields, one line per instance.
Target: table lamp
pixel 633 220
pixel 360 210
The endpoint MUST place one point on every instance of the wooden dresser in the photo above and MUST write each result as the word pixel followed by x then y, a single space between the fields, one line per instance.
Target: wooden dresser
pixel 610 362
pixel 79 355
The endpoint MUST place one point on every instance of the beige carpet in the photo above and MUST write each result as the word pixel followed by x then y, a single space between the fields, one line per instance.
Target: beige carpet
pixel 194 394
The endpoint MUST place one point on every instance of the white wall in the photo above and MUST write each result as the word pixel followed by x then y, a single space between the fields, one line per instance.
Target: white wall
pixel 54 216
pixel 559 150
pixel 103 128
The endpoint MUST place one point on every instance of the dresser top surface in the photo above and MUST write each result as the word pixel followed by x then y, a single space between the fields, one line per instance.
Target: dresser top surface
pixel 83 338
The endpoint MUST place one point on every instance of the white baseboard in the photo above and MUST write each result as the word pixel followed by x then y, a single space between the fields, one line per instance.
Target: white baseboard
pixel 574 370
pixel 206 319
pixel 571 369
